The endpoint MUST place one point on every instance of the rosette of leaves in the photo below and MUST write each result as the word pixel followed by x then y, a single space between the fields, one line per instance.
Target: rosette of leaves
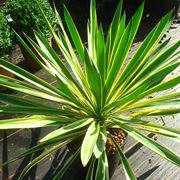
pixel 27 17
pixel 98 88
pixel 5 37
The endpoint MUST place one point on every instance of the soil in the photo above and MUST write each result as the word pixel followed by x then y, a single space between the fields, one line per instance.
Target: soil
pixel 119 135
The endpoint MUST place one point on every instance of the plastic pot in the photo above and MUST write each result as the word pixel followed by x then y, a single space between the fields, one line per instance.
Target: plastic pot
pixel 79 172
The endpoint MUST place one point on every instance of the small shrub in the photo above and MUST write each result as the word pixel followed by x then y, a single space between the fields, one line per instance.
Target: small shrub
pixel 5 37
pixel 27 16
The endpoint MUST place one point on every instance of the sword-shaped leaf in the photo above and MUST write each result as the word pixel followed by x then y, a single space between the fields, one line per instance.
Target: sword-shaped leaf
pixel 154 146
pixel 92 31
pixel 27 76
pixel 155 63
pixel 148 126
pixel 34 122
pixel 123 48
pixel 114 33
pixel 34 110
pixel 91 169
pixel 67 165
pixel 79 124
pixel 40 158
pixel 100 143
pixel 152 101
pixel 126 166
pixel 89 142
pixel 157 112
pixel 74 34
pixel 102 171
pixel 161 87
pixel 100 52
pixel 25 88
pixel 19 101
pixel 94 79
pixel 144 50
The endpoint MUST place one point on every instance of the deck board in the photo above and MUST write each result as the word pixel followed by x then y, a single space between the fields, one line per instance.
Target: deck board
pixel 147 164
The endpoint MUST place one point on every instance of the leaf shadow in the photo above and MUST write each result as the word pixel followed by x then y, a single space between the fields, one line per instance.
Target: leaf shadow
pixel 57 163
pixel 147 173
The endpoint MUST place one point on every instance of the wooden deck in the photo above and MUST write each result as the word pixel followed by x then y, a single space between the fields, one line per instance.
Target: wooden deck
pixel 146 164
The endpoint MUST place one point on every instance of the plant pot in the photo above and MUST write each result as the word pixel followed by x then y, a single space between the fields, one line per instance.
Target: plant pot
pixel 29 61
pixel 2 3
pixel 6 73
pixel 80 171
pixel 5 116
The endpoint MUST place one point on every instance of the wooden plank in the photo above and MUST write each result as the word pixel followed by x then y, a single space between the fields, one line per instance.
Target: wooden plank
pixel 146 164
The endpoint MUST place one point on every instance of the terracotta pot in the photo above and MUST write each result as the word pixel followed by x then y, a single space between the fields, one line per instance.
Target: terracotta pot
pixel 29 61
pixel 81 172
pixel 2 3
pixel 5 116
pixel 6 73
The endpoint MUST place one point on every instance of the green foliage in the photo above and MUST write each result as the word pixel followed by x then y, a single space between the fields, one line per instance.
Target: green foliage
pixel 5 37
pixel 99 88
pixel 27 16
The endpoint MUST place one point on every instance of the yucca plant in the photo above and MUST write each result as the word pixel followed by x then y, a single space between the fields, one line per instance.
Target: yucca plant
pixel 98 88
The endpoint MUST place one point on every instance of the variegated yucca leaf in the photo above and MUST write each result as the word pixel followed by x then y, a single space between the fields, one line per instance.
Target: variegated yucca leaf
pixel 97 87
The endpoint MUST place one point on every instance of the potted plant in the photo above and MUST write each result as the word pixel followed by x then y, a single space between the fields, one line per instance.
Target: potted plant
pixel 99 92
pixel 2 3
pixel 27 18
pixel 6 45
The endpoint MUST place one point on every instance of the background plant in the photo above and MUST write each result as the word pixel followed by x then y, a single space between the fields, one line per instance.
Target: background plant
pixel 98 88
pixel 27 16
pixel 5 37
